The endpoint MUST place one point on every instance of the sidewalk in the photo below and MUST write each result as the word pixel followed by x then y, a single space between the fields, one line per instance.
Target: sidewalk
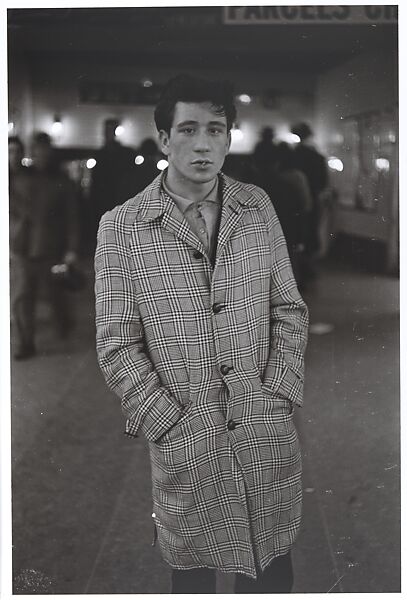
pixel 81 489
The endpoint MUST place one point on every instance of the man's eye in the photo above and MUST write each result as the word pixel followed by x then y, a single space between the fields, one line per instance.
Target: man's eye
pixel 188 130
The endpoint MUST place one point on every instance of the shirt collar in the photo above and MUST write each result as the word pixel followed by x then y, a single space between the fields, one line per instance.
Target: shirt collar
pixel 152 200
pixel 183 203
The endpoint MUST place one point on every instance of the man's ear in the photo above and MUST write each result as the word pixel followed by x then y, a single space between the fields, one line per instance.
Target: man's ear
pixel 164 142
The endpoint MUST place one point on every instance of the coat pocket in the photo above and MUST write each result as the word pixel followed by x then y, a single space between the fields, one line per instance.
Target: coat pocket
pixel 279 405
pixel 283 383
pixel 291 387
pixel 171 433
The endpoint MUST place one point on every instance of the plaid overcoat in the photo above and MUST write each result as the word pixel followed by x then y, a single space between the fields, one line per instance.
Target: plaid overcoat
pixel 208 362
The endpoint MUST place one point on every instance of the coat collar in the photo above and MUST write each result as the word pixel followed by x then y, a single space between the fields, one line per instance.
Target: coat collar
pixel 236 198
pixel 153 203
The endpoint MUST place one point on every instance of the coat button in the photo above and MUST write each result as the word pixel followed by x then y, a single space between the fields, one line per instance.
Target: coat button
pixel 217 307
pixel 231 425
pixel 197 254
pixel 225 369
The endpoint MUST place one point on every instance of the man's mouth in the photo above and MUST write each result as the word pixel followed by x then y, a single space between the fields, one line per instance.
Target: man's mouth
pixel 202 162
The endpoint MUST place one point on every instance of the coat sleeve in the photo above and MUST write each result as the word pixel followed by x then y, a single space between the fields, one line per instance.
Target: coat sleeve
pixel 284 373
pixel 128 371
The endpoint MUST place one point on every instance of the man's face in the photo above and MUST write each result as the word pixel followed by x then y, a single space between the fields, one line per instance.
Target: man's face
pixel 197 144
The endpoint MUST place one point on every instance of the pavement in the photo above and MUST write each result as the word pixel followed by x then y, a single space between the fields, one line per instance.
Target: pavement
pixel 81 489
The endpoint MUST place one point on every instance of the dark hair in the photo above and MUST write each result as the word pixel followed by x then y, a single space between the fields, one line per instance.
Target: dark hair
pixel 303 130
pixel 14 139
pixel 187 88
pixel 40 137
pixel 267 133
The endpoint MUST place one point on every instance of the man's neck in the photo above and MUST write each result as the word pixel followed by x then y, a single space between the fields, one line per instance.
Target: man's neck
pixel 189 189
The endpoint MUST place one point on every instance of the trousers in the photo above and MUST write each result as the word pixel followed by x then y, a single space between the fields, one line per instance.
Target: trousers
pixel 277 578
pixel 27 278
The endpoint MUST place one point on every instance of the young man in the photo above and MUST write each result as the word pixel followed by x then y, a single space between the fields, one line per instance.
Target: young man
pixel 201 331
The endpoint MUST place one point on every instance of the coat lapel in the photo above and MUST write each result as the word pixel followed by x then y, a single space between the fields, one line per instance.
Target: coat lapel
pixel 235 200
pixel 173 221
pixel 154 204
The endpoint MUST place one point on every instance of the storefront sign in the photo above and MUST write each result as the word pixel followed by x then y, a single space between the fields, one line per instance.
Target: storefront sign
pixel 310 15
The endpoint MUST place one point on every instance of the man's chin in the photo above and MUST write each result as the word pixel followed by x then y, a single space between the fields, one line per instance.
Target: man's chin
pixel 204 177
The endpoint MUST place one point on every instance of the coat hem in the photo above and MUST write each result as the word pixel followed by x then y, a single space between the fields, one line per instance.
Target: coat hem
pixel 226 569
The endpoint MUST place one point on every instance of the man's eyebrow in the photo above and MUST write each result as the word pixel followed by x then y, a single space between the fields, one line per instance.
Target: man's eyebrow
pixel 183 123
pixel 217 123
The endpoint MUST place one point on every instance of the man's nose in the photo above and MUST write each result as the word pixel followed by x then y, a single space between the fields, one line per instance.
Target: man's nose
pixel 202 143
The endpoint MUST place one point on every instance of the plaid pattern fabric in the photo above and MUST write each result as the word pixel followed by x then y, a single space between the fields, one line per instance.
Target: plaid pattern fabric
pixel 208 363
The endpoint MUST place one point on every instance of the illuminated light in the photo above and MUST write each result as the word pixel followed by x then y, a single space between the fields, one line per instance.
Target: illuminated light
pixel 244 98
pixel 139 160
pixel 392 138
pixel 335 163
pixel 382 164
pixel 147 83
pixel 162 164
pixel 10 126
pixel 90 163
pixel 119 130
pixel 59 269
pixel 56 127
pixel 290 138
pixel 237 135
pixel 27 162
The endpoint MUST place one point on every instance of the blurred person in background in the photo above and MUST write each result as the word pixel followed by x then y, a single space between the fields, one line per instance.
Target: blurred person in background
pixel 314 166
pixel 264 156
pixel 148 170
pixel 144 169
pixel 291 196
pixel 51 236
pixel 114 164
pixel 201 331
pixel 20 194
